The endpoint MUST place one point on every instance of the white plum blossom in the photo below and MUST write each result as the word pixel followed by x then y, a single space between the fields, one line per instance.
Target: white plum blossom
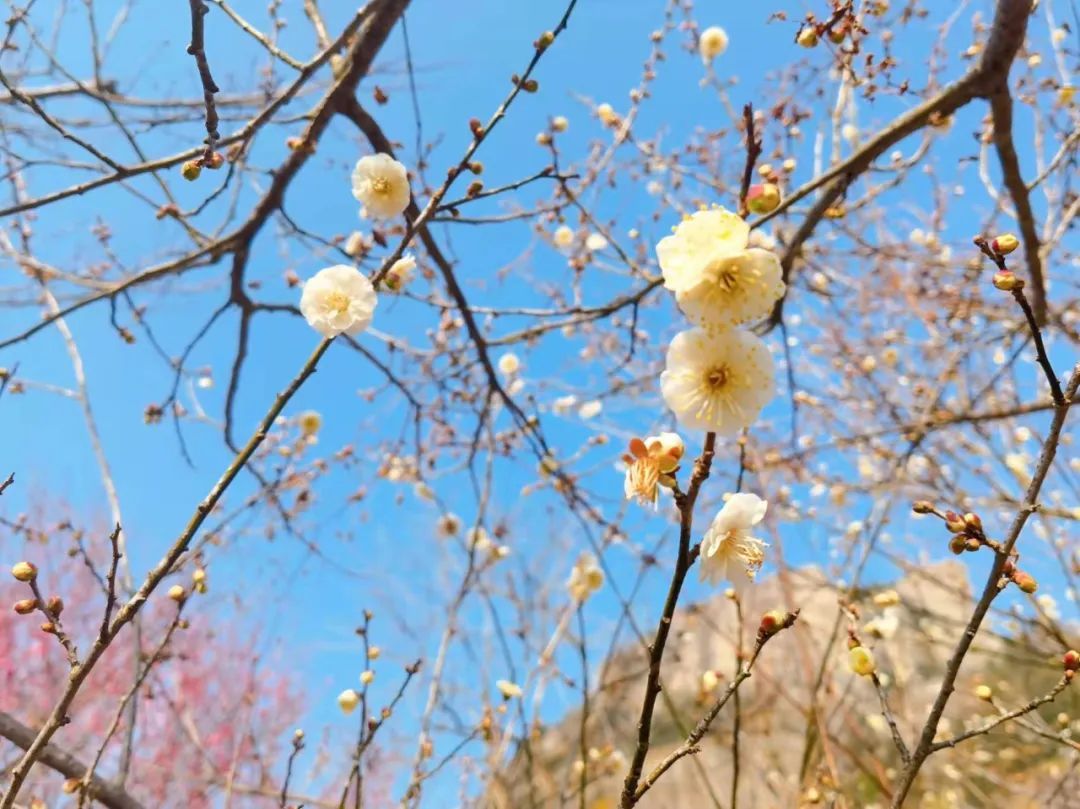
pixel 338 300
pixel 590 409
pixel 712 43
pixel 729 550
pixel 400 273
pixel 563 237
pixel 717 381
pixel 508 689
pixel 585 578
pixel 717 279
pixel 596 242
pixel 509 364
pixel 382 185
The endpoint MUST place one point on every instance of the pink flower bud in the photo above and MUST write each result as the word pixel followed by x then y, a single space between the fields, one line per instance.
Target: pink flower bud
pixel 1006 281
pixel 763 198
pixel 1004 244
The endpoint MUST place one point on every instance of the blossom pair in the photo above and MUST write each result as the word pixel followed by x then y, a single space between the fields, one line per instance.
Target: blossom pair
pixel 717 377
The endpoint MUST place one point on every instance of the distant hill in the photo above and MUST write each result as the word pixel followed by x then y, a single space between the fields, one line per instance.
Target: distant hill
pixel 783 760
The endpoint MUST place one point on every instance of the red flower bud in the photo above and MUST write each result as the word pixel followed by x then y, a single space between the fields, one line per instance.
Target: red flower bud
pixel 1071 660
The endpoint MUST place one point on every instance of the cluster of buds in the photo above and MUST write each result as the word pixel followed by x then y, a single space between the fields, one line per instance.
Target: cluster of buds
pixel 27 573
pixel 191 169
pixel 774 621
pixel 967 531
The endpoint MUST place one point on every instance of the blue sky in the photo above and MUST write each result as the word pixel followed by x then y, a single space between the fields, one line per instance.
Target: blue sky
pixel 464 55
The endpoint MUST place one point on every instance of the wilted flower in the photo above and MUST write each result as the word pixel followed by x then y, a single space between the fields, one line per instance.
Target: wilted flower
pixel 649 465
pixel 382 185
pixel 716 279
pixel 728 550
pixel 338 300
pixel 717 382
pixel 712 43
pixel 585 578
pixel 400 273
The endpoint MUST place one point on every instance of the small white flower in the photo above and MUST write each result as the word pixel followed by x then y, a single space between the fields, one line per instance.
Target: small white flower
pixel 590 409
pixel 509 364
pixel 508 689
pixel 586 577
pixel 717 382
pixel 563 237
pixel 562 405
pixel 449 525
pixel 699 239
pixel 596 242
pixel 712 43
pixel 729 551
pixel 356 244
pixel 559 123
pixel 400 273
pixel 338 300
pixel 382 185
pixel 849 132
pixel 885 625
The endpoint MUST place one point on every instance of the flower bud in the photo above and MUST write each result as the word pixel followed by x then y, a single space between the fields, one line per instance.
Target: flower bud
pixel 177 593
pixel 54 606
pixel 1006 281
pixel 958 544
pixel 763 198
pixel 807 37
pixel 954 522
pixel 861 661
pixel 1004 244
pixel 367 677
pixel 348 700
pixel 191 170
pixel 49 628
pixel 1071 660
pixel 24 571
pixel 837 34
pixel 545 40
pixel 771 623
pixel 25 606
pixel 215 161
pixel 985 693
pixel 71 786
pixel 972 521
pixel 922 507
pixel 1026 582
